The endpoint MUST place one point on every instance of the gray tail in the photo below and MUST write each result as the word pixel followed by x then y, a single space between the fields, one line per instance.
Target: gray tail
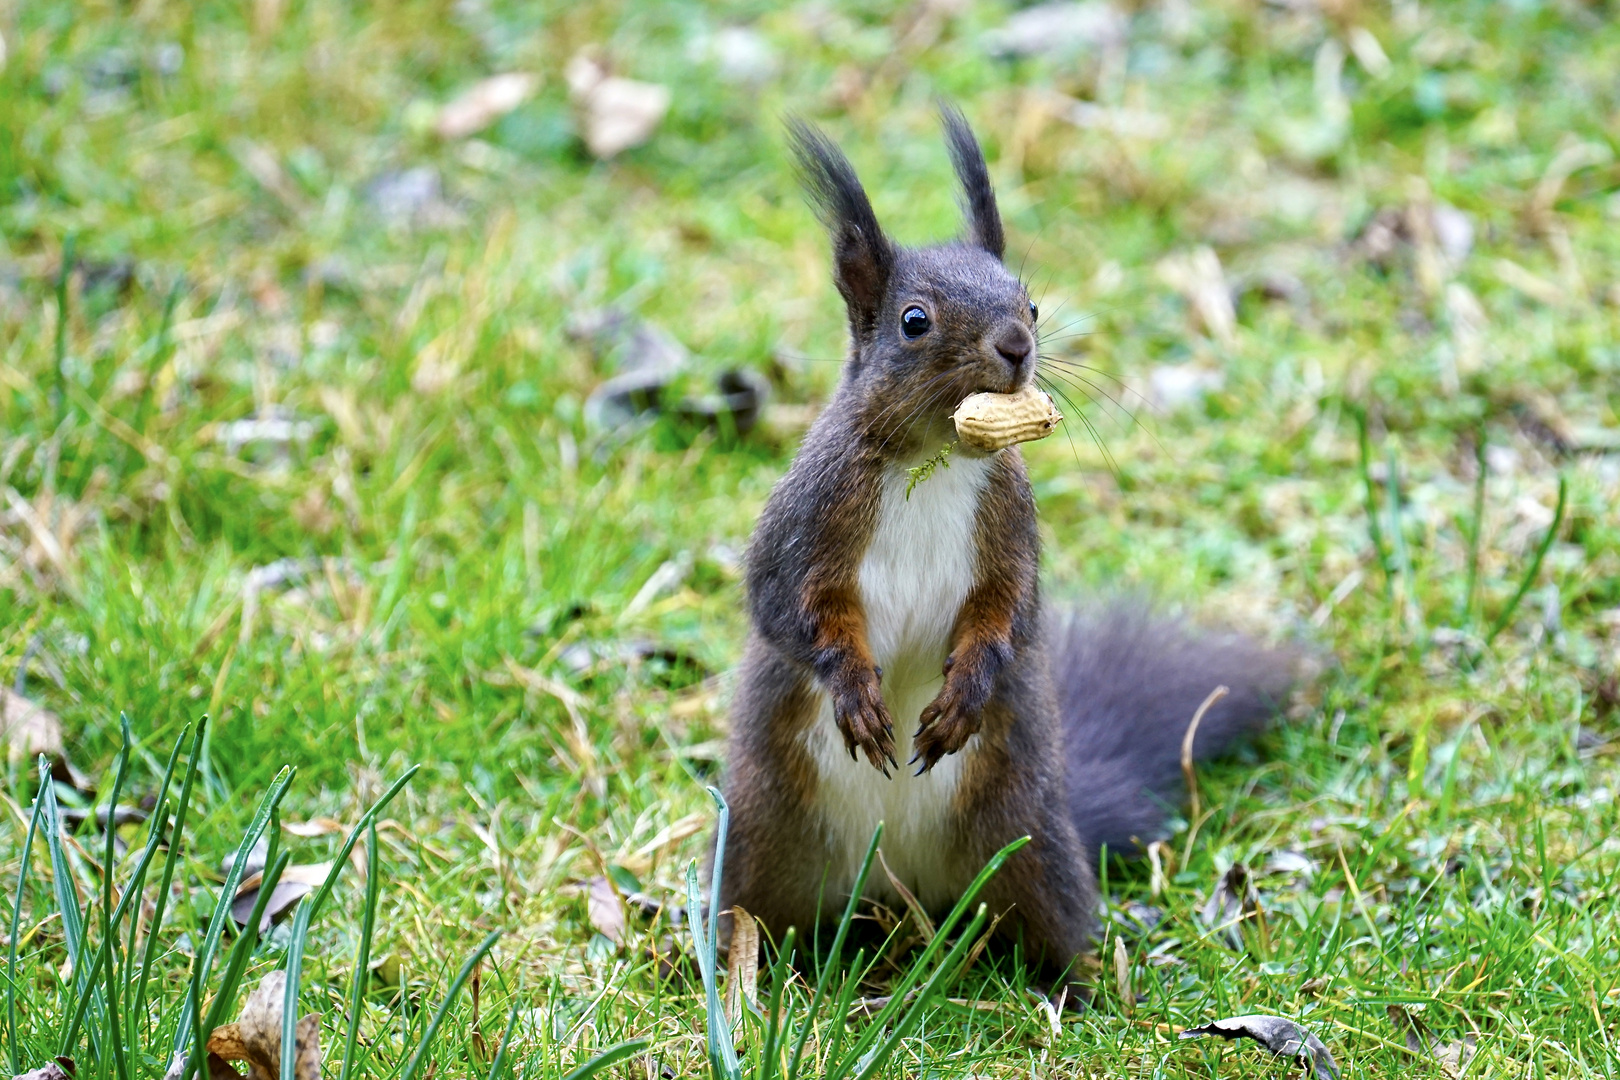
pixel 1128 684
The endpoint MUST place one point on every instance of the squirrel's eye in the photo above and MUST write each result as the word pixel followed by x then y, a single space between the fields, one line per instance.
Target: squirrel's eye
pixel 914 322
pixel 1034 312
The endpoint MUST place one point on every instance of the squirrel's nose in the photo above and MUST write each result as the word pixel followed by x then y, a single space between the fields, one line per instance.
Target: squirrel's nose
pixel 1015 345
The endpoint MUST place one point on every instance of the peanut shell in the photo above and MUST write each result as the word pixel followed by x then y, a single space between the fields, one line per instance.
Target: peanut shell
pixel 991 422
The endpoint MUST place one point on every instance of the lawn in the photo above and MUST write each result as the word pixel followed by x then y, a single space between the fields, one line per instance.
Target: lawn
pixel 296 432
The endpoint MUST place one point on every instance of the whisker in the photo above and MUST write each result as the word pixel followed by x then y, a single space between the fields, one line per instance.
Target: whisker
pixel 1096 436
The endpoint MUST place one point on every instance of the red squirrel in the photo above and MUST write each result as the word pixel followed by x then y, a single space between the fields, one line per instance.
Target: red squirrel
pixel 899 666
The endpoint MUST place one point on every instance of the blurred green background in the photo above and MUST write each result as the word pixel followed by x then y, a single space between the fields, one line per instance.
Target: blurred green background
pixel 301 318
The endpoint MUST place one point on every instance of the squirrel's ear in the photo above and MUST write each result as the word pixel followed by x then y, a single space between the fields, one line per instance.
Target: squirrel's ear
pixel 863 257
pixel 983 219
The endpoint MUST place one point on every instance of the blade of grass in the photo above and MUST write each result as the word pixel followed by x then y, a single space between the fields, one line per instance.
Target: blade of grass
pixel 366 819
pixel 946 972
pixel 840 1013
pixel 722 1051
pixel 607 1058
pixel 443 1010
pixel 137 881
pixel 236 961
pixel 67 897
pixel 897 996
pixel 506 1040
pixel 109 925
pixel 362 952
pixel 719 1034
pixel 1535 563
pixel 289 1003
pixel 161 903
pixel 203 962
pixel 13 1042
pixel 771 1049
pixel 836 951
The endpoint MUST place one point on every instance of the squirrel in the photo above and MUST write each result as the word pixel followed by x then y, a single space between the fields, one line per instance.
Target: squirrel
pixel 891 618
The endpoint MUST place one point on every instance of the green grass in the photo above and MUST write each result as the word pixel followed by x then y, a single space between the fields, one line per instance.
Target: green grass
pixel 457 532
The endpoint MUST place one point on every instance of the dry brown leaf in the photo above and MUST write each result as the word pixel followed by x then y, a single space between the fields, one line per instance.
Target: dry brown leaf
pixel 615 114
pixel 296 882
pixel 61 1068
pixel 605 908
pixel 483 103
pixel 742 965
pixel 27 729
pixel 1122 977
pixel 256 1036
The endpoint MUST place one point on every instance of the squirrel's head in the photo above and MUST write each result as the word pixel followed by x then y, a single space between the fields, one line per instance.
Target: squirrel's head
pixel 931 325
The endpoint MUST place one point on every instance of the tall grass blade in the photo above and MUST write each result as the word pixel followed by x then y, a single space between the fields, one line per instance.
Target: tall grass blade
pixel 608 1058
pixel 160 904
pixel 109 920
pixel 506 1040
pixel 942 975
pixel 897 996
pixel 443 1010
pixel 137 882
pixel 289 1003
pixel 236 961
pixel 1534 568
pixel 203 962
pixel 722 1052
pixel 771 1051
pixel 836 952
pixel 321 894
pixel 14 1042
pixel 846 996
pixel 362 952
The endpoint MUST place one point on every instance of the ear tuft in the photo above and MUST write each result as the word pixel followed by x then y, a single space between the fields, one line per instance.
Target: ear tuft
pixel 863 255
pixel 984 220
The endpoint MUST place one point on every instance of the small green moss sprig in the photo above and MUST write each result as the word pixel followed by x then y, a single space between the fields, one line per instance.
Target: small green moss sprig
pixel 917 474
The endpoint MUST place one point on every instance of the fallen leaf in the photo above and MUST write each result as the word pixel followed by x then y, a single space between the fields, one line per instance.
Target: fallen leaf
pixel 615 114
pixel 256 1036
pixel 296 882
pixel 742 965
pixel 60 1069
pixel 1451 1056
pixel 1282 1037
pixel 28 729
pixel 307 830
pixel 1122 977
pixel 483 103
pixel 605 909
pixel 1233 899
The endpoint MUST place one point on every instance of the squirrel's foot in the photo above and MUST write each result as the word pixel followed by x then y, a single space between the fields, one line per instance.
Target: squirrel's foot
pixel 863 719
pixel 945 726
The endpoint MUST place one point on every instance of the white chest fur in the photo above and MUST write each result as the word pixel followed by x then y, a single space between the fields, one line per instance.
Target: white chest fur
pixel 913 580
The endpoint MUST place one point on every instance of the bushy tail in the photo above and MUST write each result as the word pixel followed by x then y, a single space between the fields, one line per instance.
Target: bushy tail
pixel 1128 684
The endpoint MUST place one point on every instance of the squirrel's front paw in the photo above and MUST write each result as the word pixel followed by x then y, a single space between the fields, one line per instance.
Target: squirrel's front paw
pixel 945 725
pixel 863 719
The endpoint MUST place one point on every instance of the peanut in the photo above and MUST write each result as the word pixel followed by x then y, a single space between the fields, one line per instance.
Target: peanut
pixel 991 422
